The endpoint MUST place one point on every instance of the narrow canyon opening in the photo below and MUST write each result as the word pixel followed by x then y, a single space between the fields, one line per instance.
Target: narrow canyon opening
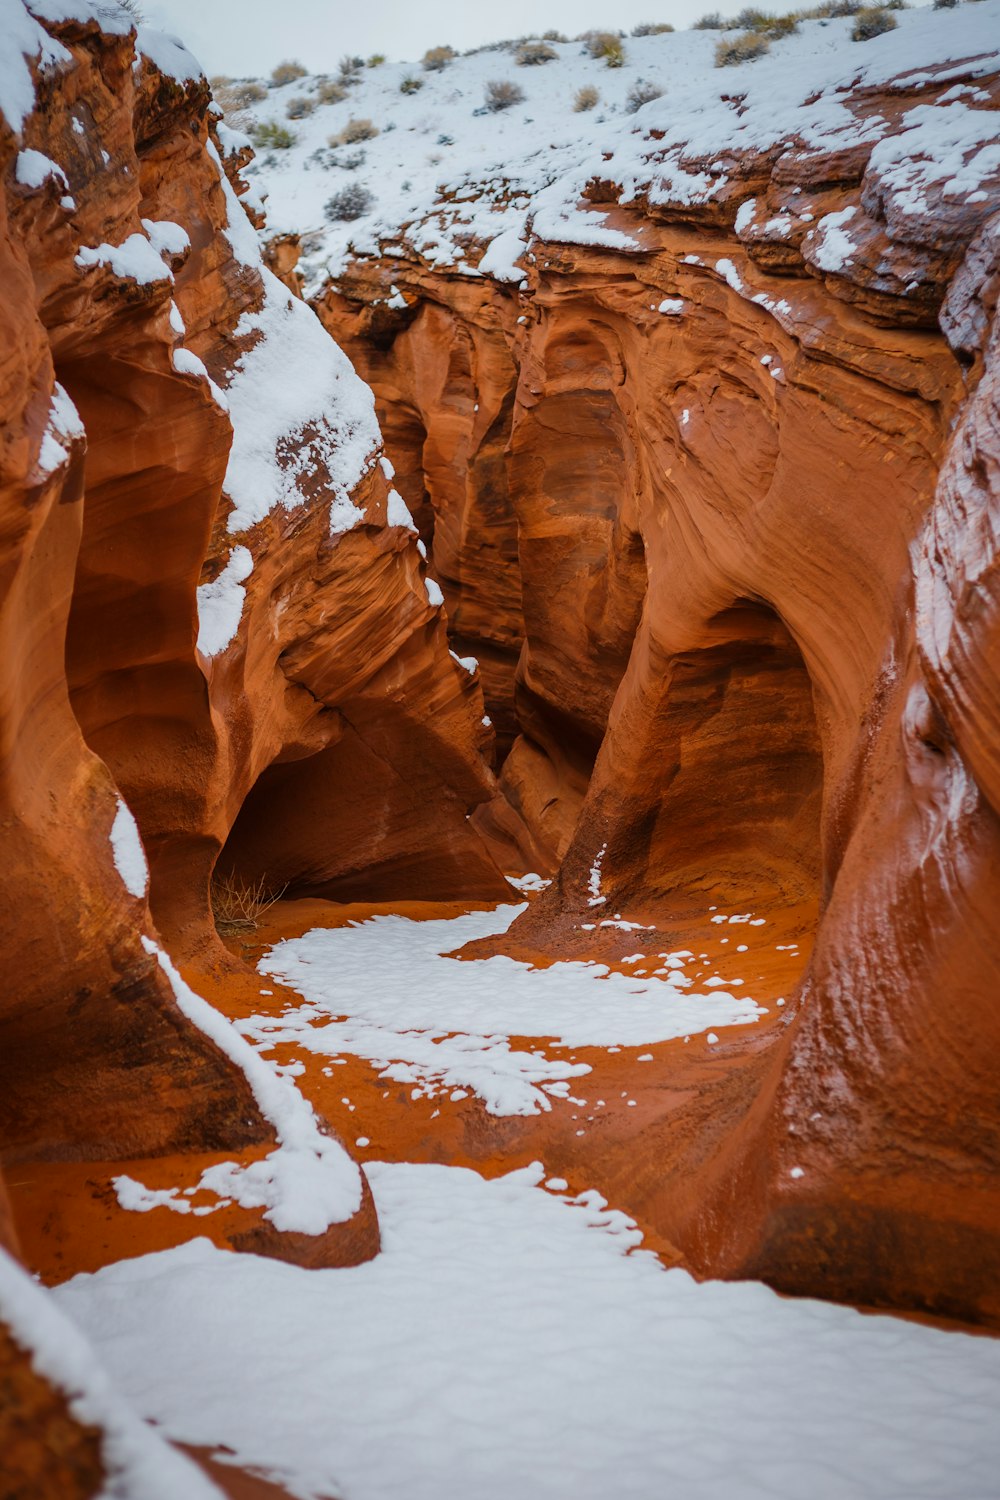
pixel 738 823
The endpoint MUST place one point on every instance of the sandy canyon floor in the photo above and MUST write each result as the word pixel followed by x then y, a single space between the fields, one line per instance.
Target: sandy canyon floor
pixel 521 1332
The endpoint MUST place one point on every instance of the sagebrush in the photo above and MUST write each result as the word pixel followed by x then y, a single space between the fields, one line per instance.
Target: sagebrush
pixel 501 93
pixel 287 72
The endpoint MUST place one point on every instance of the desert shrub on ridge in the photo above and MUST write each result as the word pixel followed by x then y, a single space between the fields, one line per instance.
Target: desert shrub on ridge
pixel 286 72
pixel 501 93
pixel 730 51
pixel 350 203
pixel 872 21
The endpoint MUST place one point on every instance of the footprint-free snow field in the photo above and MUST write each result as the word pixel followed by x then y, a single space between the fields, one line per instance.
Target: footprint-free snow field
pixel 512 1342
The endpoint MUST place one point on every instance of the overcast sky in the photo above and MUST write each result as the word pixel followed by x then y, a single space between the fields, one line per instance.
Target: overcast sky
pixel 249 36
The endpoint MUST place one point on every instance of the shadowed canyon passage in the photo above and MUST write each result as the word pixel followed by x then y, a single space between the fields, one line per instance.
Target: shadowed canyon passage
pixel 628 522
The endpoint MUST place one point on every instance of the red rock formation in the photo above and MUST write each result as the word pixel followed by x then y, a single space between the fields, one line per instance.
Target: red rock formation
pixel 754 492
pixel 213 606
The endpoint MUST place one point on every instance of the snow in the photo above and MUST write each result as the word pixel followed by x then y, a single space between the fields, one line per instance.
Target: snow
pixel 435 598
pixel 128 853
pixel 829 246
pixel 23 41
pixel 64 426
pixel 285 428
pixel 186 362
pixel 469 664
pixel 477 191
pixel 136 1460
pixel 385 990
pixel 168 54
pixel 220 603
pixel 397 512
pixel 33 168
pixel 309 1182
pixel 134 259
pixel 166 237
pixel 594 878
pixel 511 1339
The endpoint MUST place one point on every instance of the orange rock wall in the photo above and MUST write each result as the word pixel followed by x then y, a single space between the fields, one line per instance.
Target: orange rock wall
pixel 756 559
pixel 337 679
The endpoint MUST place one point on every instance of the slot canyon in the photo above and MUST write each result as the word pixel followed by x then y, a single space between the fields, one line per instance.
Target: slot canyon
pixel 509 689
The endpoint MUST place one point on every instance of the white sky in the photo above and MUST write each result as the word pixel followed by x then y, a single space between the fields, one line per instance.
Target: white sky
pixel 241 37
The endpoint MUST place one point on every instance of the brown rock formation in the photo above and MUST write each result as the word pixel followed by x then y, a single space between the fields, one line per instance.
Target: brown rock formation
pixel 137 668
pixel 756 580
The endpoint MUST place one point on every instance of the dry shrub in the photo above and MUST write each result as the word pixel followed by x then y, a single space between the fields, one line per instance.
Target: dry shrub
pixel 779 26
pixel 300 107
pixel 436 58
pixel 501 94
pixel 331 92
pixel 273 137
pixel 238 906
pixel 585 98
pixel 234 95
pixel 354 131
pixel 872 21
pixel 554 36
pixel 530 54
pixel 740 49
pixel 411 85
pixel 376 60
pixel 349 68
pixel 712 22
pixel 639 94
pixel 287 72
pixel 606 44
pixel 652 28
pixel 350 203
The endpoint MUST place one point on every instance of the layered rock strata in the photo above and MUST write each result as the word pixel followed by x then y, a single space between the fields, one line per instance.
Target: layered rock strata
pixel 710 451
pixel 225 665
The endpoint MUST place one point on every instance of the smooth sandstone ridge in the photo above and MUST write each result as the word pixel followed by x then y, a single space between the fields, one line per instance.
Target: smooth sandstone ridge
pixel 697 412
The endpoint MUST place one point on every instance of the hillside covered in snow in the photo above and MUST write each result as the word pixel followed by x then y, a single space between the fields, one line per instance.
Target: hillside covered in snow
pixel 446 159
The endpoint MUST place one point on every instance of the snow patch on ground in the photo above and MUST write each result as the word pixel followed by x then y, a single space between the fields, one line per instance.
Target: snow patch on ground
pixel 535 1351
pixel 385 990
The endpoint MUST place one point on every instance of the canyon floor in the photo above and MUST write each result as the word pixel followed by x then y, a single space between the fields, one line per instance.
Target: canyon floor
pixel 519 1333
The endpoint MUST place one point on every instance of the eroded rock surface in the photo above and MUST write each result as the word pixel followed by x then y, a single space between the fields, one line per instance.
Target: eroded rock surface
pixel 722 420
pixel 224 659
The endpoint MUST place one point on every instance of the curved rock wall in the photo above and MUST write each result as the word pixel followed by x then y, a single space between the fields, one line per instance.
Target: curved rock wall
pixel 754 489
pixel 212 598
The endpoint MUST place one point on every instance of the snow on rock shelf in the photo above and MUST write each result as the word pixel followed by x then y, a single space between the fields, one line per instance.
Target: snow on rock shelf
pixel 469 190
pixel 536 1351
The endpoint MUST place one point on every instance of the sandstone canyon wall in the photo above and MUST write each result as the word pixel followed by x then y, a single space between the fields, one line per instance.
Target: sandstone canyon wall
pixel 223 657
pixel 699 438
pixel 706 461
